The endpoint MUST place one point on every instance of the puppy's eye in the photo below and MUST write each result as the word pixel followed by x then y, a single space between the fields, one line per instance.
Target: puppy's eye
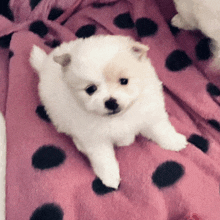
pixel 91 89
pixel 123 81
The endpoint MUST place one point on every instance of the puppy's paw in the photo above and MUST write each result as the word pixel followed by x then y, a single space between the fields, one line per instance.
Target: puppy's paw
pixel 175 142
pixel 107 171
pixel 111 179
pixel 178 21
pixel 105 166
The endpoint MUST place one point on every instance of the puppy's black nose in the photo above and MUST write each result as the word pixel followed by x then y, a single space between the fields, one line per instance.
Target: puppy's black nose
pixel 111 104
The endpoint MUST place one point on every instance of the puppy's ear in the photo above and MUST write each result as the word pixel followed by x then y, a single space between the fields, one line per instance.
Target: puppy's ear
pixel 64 59
pixel 139 50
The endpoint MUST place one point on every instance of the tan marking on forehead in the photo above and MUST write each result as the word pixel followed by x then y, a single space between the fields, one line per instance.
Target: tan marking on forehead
pixel 123 65
pixel 112 72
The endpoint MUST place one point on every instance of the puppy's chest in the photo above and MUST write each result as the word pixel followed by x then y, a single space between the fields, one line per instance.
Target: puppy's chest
pixel 123 131
pixel 123 136
pixel 125 140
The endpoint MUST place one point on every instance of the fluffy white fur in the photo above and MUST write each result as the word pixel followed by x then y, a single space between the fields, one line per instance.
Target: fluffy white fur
pixel 2 166
pixel 104 63
pixel 202 15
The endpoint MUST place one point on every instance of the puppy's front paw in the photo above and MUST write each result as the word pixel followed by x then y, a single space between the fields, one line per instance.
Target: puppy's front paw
pixel 175 142
pixel 111 179
pixel 108 173
pixel 179 22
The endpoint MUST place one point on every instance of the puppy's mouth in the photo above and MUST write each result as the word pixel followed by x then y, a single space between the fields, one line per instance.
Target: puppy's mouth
pixel 114 112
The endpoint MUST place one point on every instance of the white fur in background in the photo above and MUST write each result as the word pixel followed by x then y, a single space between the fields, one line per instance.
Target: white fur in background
pixel 2 166
pixel 201 15
pixel 102 91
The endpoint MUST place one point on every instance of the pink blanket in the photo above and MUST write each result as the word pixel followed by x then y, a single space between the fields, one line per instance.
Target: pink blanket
pixel 48 179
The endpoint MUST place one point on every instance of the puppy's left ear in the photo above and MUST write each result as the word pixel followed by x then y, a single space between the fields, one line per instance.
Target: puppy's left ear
pixel 139 50
pixel 64 59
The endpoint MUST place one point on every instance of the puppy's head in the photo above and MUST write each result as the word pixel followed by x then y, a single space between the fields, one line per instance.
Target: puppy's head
pixel 106 76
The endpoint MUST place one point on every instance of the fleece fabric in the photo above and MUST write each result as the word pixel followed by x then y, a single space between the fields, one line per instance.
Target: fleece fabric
pixel 48 179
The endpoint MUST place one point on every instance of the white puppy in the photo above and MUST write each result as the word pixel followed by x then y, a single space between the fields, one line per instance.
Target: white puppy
pixel 202 15
pixel 102 91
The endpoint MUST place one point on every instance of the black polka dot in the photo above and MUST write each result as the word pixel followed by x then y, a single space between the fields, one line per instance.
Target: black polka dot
pixel 10 54
pixel 203 51
pixel 5 10
pixel 212 89
pixel 174 30
pixel 86 31
pixel 41 112
pixel 48 156
pixel 53 44
pixel 5 41
pixel 101 5
pixel 214 124
pixel 178 60
pixel 124 21
pixel 55 13
pixel 146 27
pixel 167 174
pixel 199 142
pixel 38 27
pixel 99 188
pixel 48 211
pixel 34 3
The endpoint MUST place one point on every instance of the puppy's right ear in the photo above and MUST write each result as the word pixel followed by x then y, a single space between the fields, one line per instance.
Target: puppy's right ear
pixel 64 59
pixel 139 50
